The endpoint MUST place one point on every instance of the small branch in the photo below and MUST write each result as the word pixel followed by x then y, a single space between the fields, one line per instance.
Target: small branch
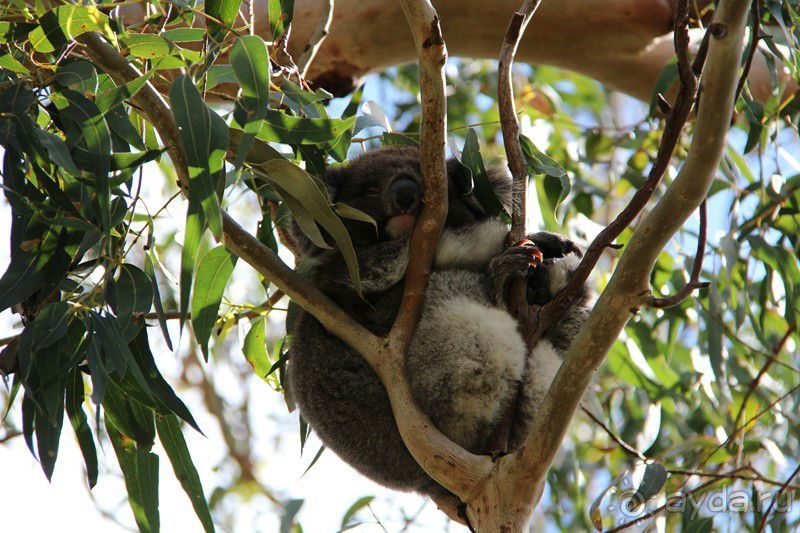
pixel 627 448
pixel 509 123
pixel 631 276
pixel 694 280
pixel 755 37
pixel 317 39
pixel 776 498
pixel 681 497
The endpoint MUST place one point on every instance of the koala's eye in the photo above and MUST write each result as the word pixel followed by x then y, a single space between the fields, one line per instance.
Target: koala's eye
pixel 373 190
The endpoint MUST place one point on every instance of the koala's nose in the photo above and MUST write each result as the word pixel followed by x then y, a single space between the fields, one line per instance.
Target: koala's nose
pixel 404 193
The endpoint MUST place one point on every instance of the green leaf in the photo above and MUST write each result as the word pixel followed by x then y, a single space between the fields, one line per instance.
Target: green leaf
pixel 58 151
pixel 471 158
pixel 359 504
pixel 280 127
pixel 205 149
pixel 162 319
pixel 147 45
pixel 298 187
pixel 254 348
pixel 541 163
pixel 129 295
pixel 280 16
pixel 346 211
pixel 397 139
pixel 95 143
pixel 224 11
pixel 63 23
pixel 111 98
pixel 49 419
pixel 129 416
pixel 213 274
pixel 163 398
pixel 314 460
pixel 171 437
pixel 78 75
pixel 193 231
pixel 290 510
pixel 140 470
pixel 77 417
pixel 183 35
pixel 30 268
pixel 252 68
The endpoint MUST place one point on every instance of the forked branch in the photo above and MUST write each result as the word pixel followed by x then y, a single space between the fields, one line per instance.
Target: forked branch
pixel 631 276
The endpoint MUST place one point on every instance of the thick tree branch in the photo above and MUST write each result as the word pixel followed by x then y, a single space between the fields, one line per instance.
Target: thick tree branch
pixel 449 464
pixel 631 277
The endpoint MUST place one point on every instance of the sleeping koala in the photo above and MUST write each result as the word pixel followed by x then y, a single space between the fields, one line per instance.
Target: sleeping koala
pixel 466 358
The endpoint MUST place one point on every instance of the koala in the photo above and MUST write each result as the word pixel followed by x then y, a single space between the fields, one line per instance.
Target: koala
pixel 466 358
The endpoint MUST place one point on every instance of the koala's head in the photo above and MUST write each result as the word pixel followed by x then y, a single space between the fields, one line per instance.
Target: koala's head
pixel 386 184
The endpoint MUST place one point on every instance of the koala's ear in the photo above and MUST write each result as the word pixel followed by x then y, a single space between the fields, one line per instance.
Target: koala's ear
pixel 501 184
pixel 333 180
pixel 459 176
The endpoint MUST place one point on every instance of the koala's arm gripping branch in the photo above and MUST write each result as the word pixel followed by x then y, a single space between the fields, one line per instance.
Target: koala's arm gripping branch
pixel 630 281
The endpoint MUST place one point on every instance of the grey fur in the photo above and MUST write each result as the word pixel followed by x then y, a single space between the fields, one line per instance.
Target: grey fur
pixel 466 357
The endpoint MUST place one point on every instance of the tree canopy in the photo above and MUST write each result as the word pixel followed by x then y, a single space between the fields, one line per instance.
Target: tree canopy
pixel 122 206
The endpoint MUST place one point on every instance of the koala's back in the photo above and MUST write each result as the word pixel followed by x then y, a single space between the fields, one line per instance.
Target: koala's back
pixel 344 401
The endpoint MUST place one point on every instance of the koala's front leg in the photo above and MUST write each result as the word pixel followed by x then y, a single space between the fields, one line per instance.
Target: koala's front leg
pixel 512 264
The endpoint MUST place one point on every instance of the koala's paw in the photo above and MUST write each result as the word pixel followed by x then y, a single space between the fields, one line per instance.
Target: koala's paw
pixel 560 257
pixel 515 262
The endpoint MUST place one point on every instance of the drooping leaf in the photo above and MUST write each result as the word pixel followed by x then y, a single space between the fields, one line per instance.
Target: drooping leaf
pixel 159 307
pixel 213 273
pixel 171 437
pixel 358 505
pixel 294 182
pixel 280 16
pixel 129 295
pixel 204 148
pixel 140 470
pixel 63 23
pixel 541 163
pixel 471 158
pixel 193 231
pixel 280 127
pixel 95 142
pixel 254 348
pixel 252 68
pixel 77 417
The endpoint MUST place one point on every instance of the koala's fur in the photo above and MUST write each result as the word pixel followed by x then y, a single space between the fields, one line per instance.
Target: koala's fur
pixel 466 357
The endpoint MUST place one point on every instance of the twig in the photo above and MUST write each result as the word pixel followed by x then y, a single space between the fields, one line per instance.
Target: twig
pixel 508 115
pixel 671 502
pixel 627 448
pixel 755 36
pixel 776 498
pixel 694 279
pixel 317 39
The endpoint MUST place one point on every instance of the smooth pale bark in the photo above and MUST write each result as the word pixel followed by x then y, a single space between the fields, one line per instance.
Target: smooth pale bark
pixel 621 43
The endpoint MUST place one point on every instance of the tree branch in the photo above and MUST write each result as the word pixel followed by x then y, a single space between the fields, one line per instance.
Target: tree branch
pixel 448 463
pixel 509 123
pixel 631 277
pixel 697 268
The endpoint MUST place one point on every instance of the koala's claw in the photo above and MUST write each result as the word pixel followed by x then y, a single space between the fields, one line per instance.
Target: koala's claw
pixel 536 254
